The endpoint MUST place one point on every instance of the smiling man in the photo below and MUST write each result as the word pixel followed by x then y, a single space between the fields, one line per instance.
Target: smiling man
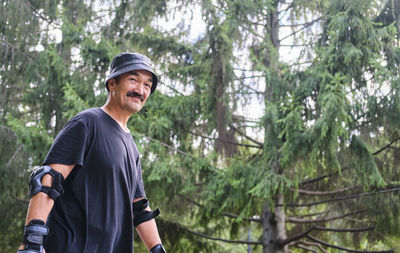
pixel 89 193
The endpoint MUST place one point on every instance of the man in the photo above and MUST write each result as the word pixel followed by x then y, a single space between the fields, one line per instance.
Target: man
pixel 90 192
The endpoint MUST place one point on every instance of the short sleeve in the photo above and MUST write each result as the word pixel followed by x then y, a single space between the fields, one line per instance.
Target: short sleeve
pixel 69 146
pixel 139 192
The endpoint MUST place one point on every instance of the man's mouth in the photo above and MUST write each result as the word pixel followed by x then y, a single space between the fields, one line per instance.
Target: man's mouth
pixel 135 95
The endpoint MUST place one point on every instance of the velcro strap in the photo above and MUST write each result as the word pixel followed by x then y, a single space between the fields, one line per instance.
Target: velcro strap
pixel 28 251
pixel 32 238
pixel 140 205
pixel 34 234
pixel 159 248
pixel 51 192
pixel 37 229
pixel 145 216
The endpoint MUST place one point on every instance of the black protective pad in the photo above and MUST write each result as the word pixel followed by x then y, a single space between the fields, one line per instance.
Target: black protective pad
pixel 34 234
pixel 35 182
pixel 159 248
pixel 140 214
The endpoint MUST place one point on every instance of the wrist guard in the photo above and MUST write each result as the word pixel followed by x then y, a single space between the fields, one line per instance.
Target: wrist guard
pixel 159 248
pixel 141 215
pixel 35 182
pixel 34 234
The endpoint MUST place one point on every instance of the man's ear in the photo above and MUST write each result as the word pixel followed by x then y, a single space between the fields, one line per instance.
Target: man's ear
pixel 111 83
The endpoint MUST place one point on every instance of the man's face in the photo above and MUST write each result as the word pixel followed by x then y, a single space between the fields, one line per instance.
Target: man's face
pixel 132 90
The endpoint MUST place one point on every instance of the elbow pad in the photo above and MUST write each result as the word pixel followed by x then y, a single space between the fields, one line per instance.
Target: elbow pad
pixel 35 182
pixel 141 215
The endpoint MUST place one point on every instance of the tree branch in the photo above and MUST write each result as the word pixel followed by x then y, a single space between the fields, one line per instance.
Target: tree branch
pixel 307 24
pixel 319 246
pixel 312 214
pixel 218 239
pixel 345 249
pixel 305 248
pixel 229 215
pixel 319 193
pixel 235 216
pixel 247 137
pixel 295 237
pixel 224 140
pixel 340 230
pixel 14 155
pixel 165 145
pixel 309 181
pixel 302 221
pixel 339 198
pixel 307 231
pixel 386 146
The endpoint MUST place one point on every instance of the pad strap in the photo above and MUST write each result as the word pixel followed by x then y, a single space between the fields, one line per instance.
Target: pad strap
pixel 159 248
pixel 140 214
pixel 34 234
pixel 35 182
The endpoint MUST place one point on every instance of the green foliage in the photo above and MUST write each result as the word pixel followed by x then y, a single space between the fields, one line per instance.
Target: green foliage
pixel 367 173
pixel 326 117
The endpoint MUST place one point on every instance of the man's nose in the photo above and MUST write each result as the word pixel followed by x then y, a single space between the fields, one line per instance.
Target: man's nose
pixel 139 88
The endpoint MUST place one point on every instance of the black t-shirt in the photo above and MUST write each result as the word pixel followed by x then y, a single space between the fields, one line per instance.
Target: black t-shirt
pixel 95 212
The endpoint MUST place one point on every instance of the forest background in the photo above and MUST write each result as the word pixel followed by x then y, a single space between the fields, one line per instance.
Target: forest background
pixel 275 127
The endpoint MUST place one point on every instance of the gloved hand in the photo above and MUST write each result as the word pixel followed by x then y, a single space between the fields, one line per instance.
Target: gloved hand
pixel 159 248
pixel 34 234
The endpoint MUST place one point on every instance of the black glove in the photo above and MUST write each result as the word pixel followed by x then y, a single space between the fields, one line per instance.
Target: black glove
pixel 159 248
pixel 34 234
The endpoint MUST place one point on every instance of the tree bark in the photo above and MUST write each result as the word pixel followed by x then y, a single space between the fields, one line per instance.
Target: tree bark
pixel 273 229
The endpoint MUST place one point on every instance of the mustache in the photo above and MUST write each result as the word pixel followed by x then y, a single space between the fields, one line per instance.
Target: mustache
pixel 135 94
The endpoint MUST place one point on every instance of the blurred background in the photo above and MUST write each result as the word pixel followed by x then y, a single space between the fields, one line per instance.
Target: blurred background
pixel 274 129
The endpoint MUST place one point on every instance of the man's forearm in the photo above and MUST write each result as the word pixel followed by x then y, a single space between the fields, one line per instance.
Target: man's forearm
pixel 39 208
pixel 148 233
pixel 40 204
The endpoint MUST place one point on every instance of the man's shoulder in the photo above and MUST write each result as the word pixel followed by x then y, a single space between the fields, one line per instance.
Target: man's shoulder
pixel 88 114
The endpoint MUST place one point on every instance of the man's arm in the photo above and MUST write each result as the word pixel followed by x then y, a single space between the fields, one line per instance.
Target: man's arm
pixel 148 231
pixel 41 204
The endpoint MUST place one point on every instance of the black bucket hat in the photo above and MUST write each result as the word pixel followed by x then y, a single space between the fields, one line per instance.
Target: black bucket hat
pixel 126 62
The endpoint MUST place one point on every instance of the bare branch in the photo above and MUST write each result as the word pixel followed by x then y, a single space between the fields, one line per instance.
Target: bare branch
pixel 312 214
pixel 386 146
pixel 351 230
pixel 224 140
pixel 229 215
pixel 309 181
pixel 365 194
pixel 299 220
pixel 295 237
pixel 165 145
pixel 247 137
pixel 14 155
pixel 307 24
pixel 345 249
pixel 218 239
pixel 306 248
pixel 319 193
pixel 235 216
pixel 319 246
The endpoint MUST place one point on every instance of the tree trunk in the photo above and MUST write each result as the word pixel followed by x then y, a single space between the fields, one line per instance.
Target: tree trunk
pixel 273 228
pixel 280 221
pixel 221 79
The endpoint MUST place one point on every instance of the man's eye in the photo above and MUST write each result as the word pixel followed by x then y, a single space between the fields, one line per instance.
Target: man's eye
pixel 133 79
pixel 148 85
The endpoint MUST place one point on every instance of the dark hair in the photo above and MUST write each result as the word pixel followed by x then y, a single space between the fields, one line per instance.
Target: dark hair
pixel 116 79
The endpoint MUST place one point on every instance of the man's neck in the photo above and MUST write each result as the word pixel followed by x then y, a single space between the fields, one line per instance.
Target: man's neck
pixel 120 117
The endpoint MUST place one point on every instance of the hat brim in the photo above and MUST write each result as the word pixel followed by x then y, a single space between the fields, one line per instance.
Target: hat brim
pixel 132 67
